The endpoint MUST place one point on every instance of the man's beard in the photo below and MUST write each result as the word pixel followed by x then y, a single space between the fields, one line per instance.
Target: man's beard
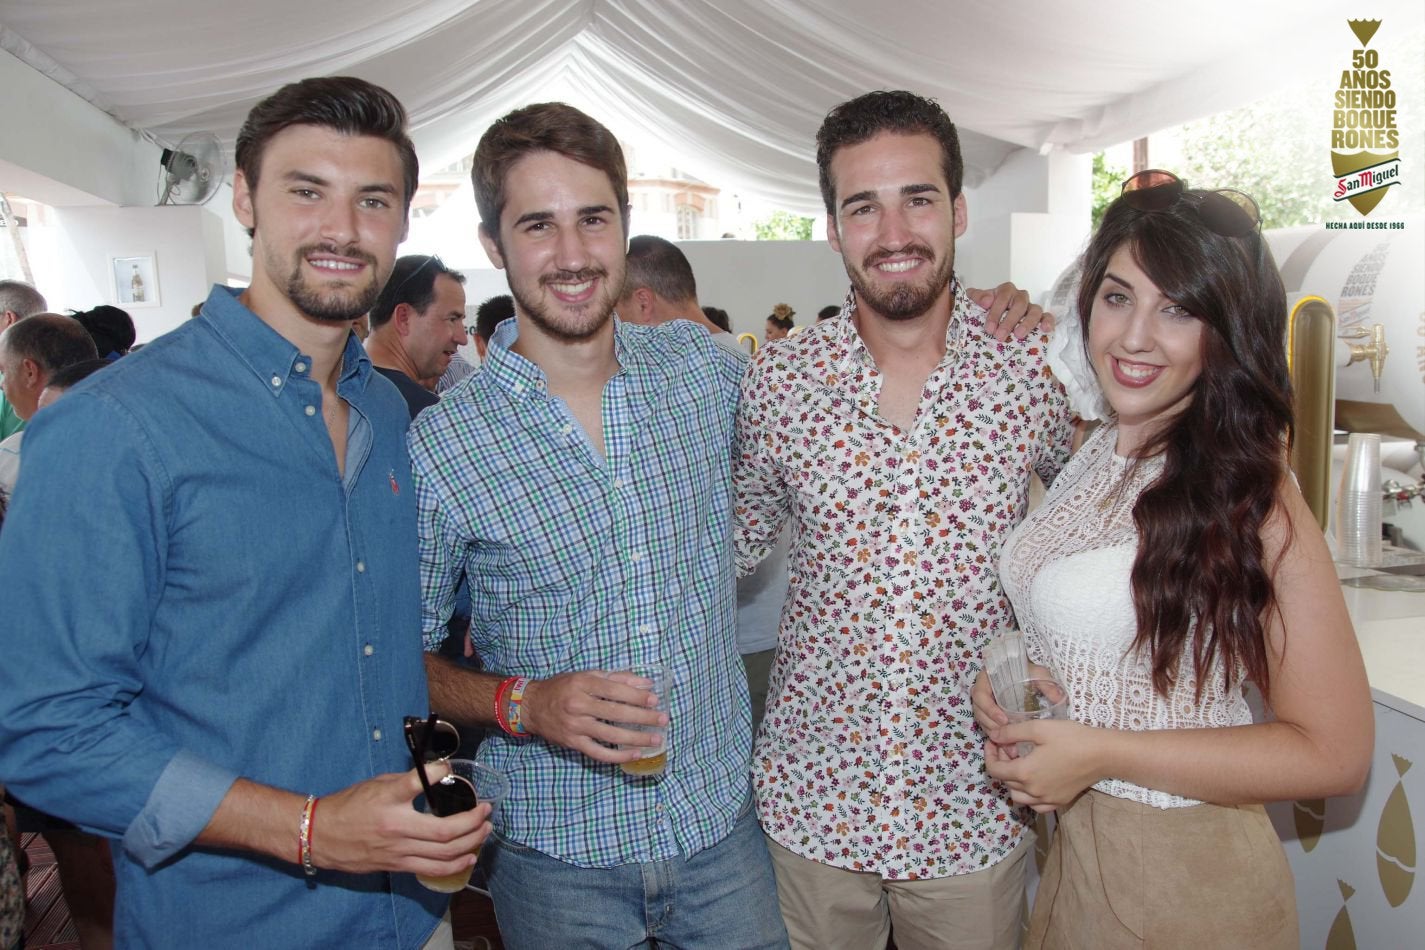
pixel 595 314
pixel 335 305
pixel 902 301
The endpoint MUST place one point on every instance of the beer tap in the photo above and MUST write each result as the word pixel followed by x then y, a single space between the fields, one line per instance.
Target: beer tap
pixel 1374 351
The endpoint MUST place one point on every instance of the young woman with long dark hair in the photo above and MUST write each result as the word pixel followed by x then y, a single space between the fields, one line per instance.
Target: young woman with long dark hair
pixel 1172 561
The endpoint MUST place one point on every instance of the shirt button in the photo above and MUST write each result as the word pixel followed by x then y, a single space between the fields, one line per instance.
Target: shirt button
pixel 566 429
pixel 618 482
pixel 277 380
pixel 361 567
pixel 376 734
pixel 310 410
pixel 368 649
pixel 644 628
pixel 300 367
pixel 636 556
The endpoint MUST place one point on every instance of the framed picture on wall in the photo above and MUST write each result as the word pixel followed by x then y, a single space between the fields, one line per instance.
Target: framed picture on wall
pixel 135 281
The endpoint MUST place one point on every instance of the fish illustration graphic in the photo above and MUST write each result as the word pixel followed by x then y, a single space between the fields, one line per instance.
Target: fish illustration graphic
pixel 1309 816
pixel 1395 841
pixel 1341 936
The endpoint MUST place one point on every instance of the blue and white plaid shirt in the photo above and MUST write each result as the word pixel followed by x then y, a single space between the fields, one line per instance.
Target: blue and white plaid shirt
pixel 578 562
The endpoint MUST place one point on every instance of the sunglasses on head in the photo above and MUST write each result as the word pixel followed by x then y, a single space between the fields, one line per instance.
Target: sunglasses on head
pixel 1225 212
pixel 435 740
pixel 430 259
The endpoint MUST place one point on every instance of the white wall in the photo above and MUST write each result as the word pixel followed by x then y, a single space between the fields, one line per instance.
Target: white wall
pixel 1028 221
pixel 86 157
pixel 748 278
pixel 183 241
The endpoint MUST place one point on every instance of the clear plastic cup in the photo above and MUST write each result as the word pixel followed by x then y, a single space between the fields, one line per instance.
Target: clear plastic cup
pixel 1039 698
pixel 654 759
pixel 481 784
pixel 1358 503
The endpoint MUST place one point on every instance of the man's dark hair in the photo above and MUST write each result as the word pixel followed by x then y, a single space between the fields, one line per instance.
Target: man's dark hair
pixel 658 265
pixel 412 281
pixel 21 299
pixel 491 314
pixel 543 127
pixel 719 318
pixel 51 340
pixel 344 104
pixel 112 329
pixel 67 376
pixel 827 312
pixel 901 112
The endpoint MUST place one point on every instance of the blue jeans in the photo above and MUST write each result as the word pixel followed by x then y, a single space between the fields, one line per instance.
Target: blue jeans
pixel 722 898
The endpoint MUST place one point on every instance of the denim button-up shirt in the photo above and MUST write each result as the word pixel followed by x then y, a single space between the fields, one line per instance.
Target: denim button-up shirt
pixel 192 593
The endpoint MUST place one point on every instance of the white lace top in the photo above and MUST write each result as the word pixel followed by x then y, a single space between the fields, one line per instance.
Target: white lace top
pixel 1066 570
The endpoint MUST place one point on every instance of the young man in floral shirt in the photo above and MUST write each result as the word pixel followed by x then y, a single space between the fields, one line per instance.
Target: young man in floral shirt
pixel 900 438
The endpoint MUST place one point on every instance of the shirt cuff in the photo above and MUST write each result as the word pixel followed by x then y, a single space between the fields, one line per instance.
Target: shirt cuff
pixel 180 806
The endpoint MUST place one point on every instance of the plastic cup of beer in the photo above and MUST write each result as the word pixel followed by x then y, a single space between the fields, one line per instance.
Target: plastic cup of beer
pixel 654 758
pixel 1039 698
pixel 468 784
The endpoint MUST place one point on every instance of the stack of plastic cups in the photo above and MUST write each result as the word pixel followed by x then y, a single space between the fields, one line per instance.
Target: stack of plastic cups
pixel 1358 503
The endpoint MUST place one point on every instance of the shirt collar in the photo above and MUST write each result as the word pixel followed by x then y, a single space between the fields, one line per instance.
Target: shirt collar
pixel 854 353
pixel 524 380
pixel 513 373
pixel 268 354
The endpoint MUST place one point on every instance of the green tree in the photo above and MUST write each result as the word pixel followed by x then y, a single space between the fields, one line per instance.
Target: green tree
pixel 782 226
pixel 1107 185
pixel 1278 149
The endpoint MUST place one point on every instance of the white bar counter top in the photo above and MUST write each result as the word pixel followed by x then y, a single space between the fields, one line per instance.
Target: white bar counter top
pixel 1390 626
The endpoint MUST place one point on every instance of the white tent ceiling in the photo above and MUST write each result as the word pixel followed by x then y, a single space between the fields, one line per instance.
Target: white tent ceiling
pixel 736 88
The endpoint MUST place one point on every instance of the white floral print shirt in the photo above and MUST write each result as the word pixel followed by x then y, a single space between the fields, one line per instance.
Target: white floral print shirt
pixel 869 757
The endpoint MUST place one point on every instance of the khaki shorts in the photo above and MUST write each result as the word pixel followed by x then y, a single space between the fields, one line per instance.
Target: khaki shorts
pixel 827 908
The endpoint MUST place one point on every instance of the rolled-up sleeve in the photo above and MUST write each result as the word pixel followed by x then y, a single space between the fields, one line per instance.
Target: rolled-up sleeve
pixel 82 557
pixel 442 549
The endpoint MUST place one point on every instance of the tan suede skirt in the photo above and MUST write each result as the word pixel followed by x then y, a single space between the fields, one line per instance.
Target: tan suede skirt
pixel 1125 876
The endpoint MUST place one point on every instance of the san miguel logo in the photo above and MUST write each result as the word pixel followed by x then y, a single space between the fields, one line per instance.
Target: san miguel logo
pixel 1364 137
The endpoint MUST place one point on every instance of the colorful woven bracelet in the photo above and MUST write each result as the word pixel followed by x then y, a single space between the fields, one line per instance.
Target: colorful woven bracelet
pixel 514 710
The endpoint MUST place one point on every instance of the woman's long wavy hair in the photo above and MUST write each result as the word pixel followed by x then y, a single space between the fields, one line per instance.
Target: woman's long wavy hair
pixel 1201 586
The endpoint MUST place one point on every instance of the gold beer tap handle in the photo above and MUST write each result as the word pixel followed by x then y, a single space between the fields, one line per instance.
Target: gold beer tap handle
pixel 1374 352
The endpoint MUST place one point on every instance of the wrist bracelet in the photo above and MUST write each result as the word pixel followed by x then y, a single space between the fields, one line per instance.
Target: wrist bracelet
pixel 514 712
pixel 501 712
pixel 304 836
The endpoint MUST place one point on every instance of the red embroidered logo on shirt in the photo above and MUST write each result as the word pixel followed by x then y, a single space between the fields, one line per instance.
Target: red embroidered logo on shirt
pixel 395 486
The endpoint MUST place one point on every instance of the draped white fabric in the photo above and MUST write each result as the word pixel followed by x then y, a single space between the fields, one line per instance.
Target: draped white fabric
pixel 738 87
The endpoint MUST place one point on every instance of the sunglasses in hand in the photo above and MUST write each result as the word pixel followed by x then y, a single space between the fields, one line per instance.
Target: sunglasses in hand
pixel 434 740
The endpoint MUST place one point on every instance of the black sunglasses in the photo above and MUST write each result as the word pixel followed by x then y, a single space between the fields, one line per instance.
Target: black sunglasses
pixel 435 740
pixel 1225 211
